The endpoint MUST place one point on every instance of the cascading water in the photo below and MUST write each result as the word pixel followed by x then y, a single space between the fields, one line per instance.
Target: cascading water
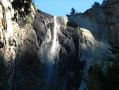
pixel 52 54
pixel 50 48
pixel 55 44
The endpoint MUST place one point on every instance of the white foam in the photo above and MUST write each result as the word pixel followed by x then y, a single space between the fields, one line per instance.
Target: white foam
pixel 54 41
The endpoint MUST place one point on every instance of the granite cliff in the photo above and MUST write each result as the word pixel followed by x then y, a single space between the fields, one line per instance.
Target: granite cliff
pixel 39 51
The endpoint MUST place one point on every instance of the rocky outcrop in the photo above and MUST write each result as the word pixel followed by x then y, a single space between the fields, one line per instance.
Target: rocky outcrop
pixel 112 13
pixel 13 40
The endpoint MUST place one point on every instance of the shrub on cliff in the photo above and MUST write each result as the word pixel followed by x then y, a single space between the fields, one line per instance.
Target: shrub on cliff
pixel 112 76
pixel 96 78
pixel 104 79
pixel 72 11
pixel 29 19
pixel 96 5
pixel 23 6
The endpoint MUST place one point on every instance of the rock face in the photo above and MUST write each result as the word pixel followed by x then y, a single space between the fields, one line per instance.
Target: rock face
pixel 112 13
pixel 58 53
pixel 39 51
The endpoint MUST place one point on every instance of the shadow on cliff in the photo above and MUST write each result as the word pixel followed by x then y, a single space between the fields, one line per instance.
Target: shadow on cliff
pixel 3 73
pixel 27 65
pixel 27 71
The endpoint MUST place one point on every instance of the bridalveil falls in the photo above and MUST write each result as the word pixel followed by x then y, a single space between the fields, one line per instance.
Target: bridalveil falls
pixel 39 51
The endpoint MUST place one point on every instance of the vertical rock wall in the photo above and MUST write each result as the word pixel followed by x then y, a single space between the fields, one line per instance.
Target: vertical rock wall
pixel 41 52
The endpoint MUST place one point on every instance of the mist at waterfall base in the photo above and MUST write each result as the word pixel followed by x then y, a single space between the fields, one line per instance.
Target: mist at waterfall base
pixel 49 53
pixel 63 7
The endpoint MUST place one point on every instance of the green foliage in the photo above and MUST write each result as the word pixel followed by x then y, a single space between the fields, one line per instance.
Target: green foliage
pixel 96 78
pixel 112 76
pixel 73 11
pixel 105 79
pixel 29 19
pixel 22 4
pixel 96 5
pixel 97 71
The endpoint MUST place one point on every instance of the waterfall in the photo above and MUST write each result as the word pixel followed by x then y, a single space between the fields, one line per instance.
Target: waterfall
pixel 52 55
pixel 48 53
pixel 54 46
pixel 50 46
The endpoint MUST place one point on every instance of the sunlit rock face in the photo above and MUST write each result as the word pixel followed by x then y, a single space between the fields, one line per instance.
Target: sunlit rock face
pixel 39 51
pixel 15 43
pixel 95 47
pixel 8 43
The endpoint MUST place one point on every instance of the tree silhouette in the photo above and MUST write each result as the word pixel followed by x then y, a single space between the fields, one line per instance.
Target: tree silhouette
pixel 73 11
pixel 96 4
pixel 22 4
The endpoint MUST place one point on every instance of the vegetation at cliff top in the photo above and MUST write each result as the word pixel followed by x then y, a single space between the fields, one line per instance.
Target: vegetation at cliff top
pixel 22 6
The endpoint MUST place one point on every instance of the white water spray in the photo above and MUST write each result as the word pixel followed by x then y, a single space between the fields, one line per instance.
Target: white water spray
pixel 55 44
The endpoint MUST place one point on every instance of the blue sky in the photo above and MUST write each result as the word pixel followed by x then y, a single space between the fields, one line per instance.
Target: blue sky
pixel 63 7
